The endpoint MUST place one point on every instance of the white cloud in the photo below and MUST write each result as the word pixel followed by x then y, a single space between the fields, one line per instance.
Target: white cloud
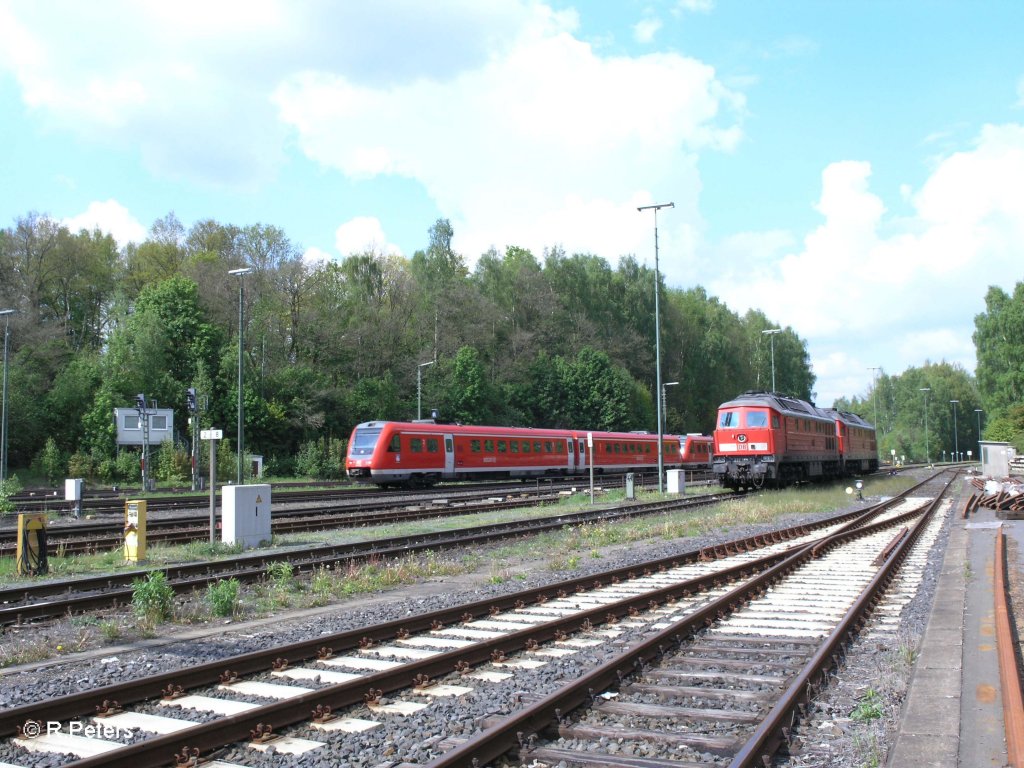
pixel 546 143
pixel 188 84
pixel 361 234
pixel 645 29
pixel 911 287
pixel 111 218
pixel 314 256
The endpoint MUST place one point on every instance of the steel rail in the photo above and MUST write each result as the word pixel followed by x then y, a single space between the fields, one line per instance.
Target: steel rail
pixel 208 736
pixel 15 608
pixel 85 702
pixel 98 537
pixel 771 731
pixel 490 744
pixel 1009 673
pixel 149 687
pixel 183 578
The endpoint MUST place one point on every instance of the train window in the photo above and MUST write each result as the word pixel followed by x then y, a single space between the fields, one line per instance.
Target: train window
pixel 416 444
pixel 757 419
pixel 618 447
pixel 474 446
pixel 513 446
pixel 729 419
pixel 775 421
pixel 488 446
pixel 536 446
pixel 433 446
pixel 647 447
pixel 501 446
pixel 448 445
pixel 559 448
pixel 547 446
pixel 526 446
pixel 395 445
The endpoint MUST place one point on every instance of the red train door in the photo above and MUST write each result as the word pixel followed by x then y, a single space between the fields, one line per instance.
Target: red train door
pixel 449 456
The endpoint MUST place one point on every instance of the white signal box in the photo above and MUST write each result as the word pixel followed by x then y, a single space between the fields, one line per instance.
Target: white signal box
pixel 245 515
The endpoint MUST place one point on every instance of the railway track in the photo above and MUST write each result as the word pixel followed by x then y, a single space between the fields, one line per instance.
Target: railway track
pixel 51 599
pixel 90 538
pixel 110 503
pixel 430 672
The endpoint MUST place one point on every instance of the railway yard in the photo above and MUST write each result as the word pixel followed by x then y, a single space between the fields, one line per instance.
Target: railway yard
pixel 529 632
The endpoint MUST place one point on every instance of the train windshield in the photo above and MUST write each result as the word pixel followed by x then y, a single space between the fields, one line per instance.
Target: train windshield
pixel 364 442
pixel 757 419
pixel 729 419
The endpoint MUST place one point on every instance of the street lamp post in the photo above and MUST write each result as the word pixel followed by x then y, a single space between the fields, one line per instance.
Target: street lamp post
pixel 927 453
pixel 875 399
pixel 240 274
pixel 419 385
pixel 664 398
pixel 956 445
pixel 979 411
pixel 6 313
pixel 771 335
pixel 657 339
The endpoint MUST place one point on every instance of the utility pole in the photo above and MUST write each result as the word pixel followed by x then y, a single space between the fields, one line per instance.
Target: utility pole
pixel 657 340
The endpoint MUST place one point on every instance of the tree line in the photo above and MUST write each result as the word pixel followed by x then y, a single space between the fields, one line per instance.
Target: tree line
pixel 939 409
pixel 559 340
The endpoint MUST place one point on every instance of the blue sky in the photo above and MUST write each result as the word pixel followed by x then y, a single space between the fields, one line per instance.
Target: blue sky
pixel 853 169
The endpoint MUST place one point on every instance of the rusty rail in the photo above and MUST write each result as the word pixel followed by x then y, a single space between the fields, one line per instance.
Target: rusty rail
pixel 1009 674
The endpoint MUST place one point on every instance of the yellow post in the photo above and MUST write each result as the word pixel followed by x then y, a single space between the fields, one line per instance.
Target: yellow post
pixel 31 547
pixel 135 531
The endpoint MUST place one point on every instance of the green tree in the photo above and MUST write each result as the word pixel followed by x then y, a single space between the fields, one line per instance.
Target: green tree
pixel 999 344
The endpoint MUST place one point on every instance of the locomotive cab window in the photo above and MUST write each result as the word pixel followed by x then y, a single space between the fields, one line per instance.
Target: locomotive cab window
pixel 757 419
pixel 395 446
pixel 729 419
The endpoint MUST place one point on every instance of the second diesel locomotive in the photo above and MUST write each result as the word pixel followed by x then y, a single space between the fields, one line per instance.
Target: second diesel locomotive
pixel 769 439
pixel 424 452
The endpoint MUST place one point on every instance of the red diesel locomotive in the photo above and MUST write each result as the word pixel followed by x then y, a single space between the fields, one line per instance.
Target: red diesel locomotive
pixel 423 452
pixel 765 438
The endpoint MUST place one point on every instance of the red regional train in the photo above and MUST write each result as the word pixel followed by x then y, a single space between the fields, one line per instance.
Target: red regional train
pixel 697 450
pixel 766 438
pixel 423 452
